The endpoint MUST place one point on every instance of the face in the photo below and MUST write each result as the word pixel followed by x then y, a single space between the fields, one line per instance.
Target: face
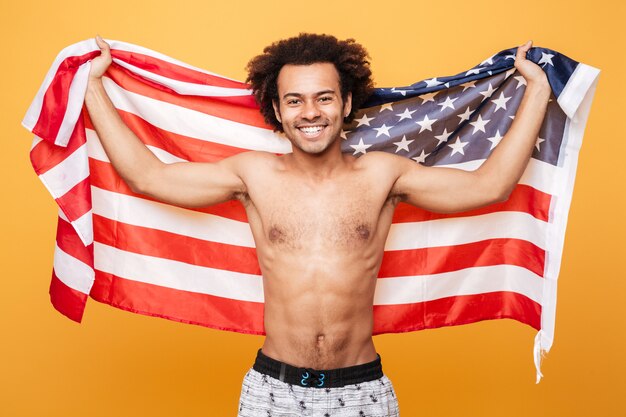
pixel 310 107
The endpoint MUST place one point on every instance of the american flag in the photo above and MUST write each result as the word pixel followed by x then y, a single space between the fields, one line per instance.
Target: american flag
pixel 199 265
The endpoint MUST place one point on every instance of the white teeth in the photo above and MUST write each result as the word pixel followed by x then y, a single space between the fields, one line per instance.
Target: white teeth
pixel 310 130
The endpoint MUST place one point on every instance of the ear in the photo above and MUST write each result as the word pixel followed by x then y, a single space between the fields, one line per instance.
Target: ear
pixel 276 110
pixel 347 105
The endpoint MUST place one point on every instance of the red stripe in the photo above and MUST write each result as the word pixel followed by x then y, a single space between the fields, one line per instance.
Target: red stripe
pixel 46 155
pixel 77 201
pixel 67 301
pixel 174 71
pixel 436 260
pixel 56 97
pixel 69 242
pixel 185 147
pixel 184 306
pixel 241 109
pixel 426 261
pixel 176 247
pixel 104 176
pixel 524 198
pixel 453 311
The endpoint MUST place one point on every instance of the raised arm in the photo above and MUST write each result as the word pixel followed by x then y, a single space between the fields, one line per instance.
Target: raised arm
pixel 188 183
pixel 451 190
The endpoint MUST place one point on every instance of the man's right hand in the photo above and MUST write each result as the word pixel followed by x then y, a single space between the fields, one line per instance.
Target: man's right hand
pixel 100 64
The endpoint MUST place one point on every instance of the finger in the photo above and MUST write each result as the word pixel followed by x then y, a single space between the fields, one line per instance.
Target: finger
pixel 522 50
pixel 104 47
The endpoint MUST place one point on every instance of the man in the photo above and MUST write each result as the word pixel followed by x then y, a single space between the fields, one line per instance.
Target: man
pixel 319 218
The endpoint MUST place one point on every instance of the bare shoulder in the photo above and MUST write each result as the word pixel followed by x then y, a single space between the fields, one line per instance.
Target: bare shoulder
pixel 252 161
pixel 384 163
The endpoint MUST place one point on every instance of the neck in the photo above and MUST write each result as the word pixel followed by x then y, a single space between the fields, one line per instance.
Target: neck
pixel 318 166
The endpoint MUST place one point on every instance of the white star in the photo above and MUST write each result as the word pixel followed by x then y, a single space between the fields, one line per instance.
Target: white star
pixel 520 81
pixel 546 59
pixel 539 141
pixel 509 72
pixel 403 144
pixel 500 102
pixel 383 130
pixel 457 147
pixel 426 124
pixel 422 158
pixel 428 97
pixel 447 103
pixel 479 124
pixel 465 116
pixel 433 82
pixel 488 60
pixel 488 92
pixel 360 147
pixel 386 106
pixel 344 134
pixel 406 115
pixel 495 139
pixel 364 120
pixel 472 71
pixel 469 84
pixel 403 92
pixel 447 84
pixel 510 57
pixel 443 137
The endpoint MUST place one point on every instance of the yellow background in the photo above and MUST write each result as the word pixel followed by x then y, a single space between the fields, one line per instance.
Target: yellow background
pixel 121 364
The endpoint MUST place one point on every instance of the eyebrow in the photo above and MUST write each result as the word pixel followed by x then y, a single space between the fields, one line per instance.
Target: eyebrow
pixel 319 93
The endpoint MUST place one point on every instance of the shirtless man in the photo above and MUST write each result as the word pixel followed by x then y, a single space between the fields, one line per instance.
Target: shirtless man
pixel 319 218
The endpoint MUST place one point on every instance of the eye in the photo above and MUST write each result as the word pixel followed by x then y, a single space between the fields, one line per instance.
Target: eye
pixel 293 101
pixel 326 98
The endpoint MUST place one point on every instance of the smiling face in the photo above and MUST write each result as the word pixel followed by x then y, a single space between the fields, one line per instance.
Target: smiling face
pixel 310 107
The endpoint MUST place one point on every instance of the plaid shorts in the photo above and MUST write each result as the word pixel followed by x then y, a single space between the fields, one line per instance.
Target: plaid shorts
pixel 265 395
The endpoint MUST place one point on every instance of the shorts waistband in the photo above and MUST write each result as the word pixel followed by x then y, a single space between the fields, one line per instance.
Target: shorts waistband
pixel 316 378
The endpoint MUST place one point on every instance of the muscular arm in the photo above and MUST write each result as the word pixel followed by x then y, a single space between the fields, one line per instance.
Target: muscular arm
pixel 451 190
pixel 188 184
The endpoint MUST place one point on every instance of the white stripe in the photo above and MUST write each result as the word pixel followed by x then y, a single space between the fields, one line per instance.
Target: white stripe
pixel 72 272
pixel 76 98
pixel 178 275
pixel 249 287
pixel 69 172
pixel 195 124
pixel 577 86
pixel 160 216
pixel 96 151
pixel 186 88
pixel 84 228
pixel 457 231
pixel 538 174
pixel 129 47
pixel 402 236
pixel 559 210
pixel 78 49
pixel 477 280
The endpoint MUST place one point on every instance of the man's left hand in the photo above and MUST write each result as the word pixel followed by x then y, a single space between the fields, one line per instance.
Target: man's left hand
pixel 529 70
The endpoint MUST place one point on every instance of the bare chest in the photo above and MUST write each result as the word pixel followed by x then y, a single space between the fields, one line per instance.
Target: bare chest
pixel 340 215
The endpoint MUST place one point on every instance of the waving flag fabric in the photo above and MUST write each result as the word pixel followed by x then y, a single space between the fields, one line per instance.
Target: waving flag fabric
pixel 199 265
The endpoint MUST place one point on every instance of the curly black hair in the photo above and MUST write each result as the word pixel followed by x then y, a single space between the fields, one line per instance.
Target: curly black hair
pixel 350 60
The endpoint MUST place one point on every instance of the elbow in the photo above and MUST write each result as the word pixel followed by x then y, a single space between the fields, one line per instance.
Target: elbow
pixel 502 194
pixel 137 186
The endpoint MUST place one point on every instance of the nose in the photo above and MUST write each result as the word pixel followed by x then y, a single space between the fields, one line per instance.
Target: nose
pixel 310 110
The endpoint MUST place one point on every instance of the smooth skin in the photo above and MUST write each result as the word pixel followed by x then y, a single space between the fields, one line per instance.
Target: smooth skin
pixel 319 218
